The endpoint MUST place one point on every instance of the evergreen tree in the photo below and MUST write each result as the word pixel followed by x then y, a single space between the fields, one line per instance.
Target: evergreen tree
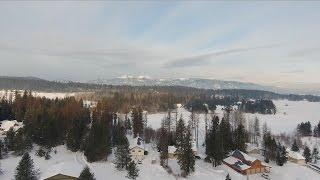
pixel 228 177
pixel 86 174
pixel 315 155
pixel 281 155
pixel 25 169
pixel 226 135
pixel 186 158
pixel 22 142
pixel 98 143
pixel 122 153
pixel 307 154
pixel 215 143
pixel 163 144
pixel 78 129
pixel 9 139
pixel 133 171
pixel 240 138
pixel 137 120
pixel 180 130
pixel 294 146
pixel 256 131
pixel 1 149
pixel 270 147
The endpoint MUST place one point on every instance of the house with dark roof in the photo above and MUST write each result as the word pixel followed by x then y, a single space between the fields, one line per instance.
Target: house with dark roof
pixel 245 164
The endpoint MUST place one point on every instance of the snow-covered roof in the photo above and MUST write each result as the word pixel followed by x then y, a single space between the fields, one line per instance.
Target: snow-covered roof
pixel 236 162
pixel 5 125
pixel 171 149
pixel 242 166
pixel 231 160
pixel 295 155
pixel 134 143
pixel 65 168
pixel 245 156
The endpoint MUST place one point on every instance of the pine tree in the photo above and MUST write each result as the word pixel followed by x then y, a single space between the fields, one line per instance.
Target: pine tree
pixel 256 131
pixel 228 177
pixel 122 154
pixel 98 145
pixel 9 139
pixel 315 155
pixel 23 142
pixel 307 154
pixel 215 143
pixel 25 169
pixel 76 132
pixel 1 149
pixel 294 146
pixel 180 130
pixel 240 138
pixel 133 171
pixel 163 144
pixel 186 158
pixel 279 159
pixel 86 174
pixel 226 135
pixel 137 122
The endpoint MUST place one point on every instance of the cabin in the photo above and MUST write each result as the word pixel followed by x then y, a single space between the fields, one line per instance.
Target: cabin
pixel 63 171
pixel 296 157
pixel 245 164
pixel 137 150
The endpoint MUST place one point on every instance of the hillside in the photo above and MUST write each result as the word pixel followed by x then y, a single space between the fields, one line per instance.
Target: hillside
pixel 228 89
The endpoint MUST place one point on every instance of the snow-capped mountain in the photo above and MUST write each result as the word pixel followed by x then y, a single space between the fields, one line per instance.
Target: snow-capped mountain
pixel 188 82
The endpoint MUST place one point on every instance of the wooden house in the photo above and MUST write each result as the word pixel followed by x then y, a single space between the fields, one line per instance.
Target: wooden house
pixel 245 164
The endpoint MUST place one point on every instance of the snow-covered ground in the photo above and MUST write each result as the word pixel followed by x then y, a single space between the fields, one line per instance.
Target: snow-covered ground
pixel 50 95
pixel 289 115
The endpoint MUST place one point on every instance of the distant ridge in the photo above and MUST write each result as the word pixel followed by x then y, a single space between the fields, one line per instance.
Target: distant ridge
pixel 188 82
pixel 192 86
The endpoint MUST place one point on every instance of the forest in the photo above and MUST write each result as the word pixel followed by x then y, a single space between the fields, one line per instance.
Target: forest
pixel 36 84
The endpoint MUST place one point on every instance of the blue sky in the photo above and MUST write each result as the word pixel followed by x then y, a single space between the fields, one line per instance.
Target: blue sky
pixel 262 42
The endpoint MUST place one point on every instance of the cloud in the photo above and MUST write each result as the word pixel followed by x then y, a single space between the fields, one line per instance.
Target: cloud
pixel 205 59
pixel 294 71
pixel 305 52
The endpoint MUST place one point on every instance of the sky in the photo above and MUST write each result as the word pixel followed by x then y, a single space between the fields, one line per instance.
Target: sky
pixel 260 42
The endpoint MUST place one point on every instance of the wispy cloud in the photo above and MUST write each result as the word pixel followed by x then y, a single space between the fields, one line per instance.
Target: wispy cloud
pixel 206 58
pixel 108 39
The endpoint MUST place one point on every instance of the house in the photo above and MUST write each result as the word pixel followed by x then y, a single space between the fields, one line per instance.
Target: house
pixel 245 164
pixel 296 157
pixel 137 150
pixel 63 171
pixel 172 150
